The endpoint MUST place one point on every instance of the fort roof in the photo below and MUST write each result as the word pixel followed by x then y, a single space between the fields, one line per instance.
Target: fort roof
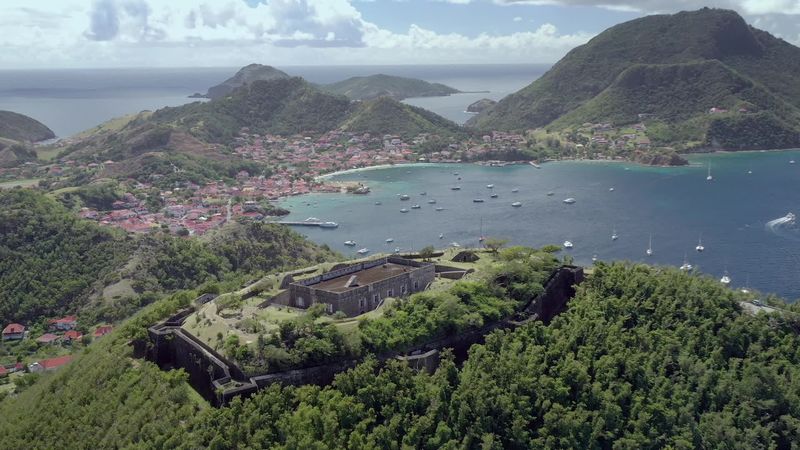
pixel 363 277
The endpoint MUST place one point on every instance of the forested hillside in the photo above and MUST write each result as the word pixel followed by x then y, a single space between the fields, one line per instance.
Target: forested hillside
pixel 53 263
pixel 644 358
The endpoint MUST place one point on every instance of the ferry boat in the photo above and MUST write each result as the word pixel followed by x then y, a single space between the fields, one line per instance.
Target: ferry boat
pixel 568 244
pixel 350 243
pixel 569 201
pixel 362 251
pixel 516 204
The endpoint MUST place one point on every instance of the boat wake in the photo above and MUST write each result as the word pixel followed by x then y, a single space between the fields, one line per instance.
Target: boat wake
pixel 785 226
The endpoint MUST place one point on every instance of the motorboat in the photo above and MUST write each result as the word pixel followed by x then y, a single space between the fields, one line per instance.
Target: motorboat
pixel 477 200
pixel 378 203
pixel 516 204
pixel 455 188
pixel 439 208
pixel 329 225
pixel 610 189
pixel 350 243
pixel 569 201
pixel 423 193
pixel 490 186
pixel 568 244
pixel 431 201
pixel 441 235
pixel 362 251
pixel 726 279
pixel 614 235
pixel 493 196
pixel 388 240
pixel 455 244
pixel 415 207
pixel 551 193
pixel 404 197
pixel 515 190
pixel 404 210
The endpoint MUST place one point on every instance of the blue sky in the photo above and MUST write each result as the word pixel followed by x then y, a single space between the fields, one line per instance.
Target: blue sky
pixel 183 33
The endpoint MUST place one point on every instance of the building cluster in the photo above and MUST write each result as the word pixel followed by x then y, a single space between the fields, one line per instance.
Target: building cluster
pixel 61 331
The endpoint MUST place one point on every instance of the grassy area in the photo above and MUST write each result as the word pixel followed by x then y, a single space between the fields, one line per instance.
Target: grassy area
pixel 21 183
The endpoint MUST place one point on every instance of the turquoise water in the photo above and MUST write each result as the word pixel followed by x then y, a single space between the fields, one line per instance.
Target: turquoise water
pixel 675 205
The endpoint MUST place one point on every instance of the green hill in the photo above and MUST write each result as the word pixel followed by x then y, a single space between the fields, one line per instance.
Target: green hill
pixel 53 263
pixel 398 88
pixel 18 127
pixel 385 115
pixel 673 67
pixel 246 75
pixel 644 358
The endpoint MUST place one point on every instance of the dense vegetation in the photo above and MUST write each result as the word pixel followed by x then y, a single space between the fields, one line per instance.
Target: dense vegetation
pixel 675 67
pixel 18 127
pixel 244 76
pixel 644 358
pixel 388 116
pixel 398 88
pixel 52 263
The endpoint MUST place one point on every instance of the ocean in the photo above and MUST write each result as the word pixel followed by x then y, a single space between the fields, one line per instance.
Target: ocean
pixel 70 101
pixel 736 213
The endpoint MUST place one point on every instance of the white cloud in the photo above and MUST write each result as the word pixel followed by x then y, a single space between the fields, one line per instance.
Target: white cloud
pixel 517 19
pixel 108 33
pixel 749 7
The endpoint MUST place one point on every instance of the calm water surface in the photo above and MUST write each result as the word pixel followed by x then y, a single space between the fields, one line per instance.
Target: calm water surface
pixel 674 205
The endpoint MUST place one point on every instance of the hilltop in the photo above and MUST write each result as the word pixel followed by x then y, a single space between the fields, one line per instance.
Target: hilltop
pixel 385 115
pixel 398 88
pixel 17 132
pixel 245 76
pixel 703 77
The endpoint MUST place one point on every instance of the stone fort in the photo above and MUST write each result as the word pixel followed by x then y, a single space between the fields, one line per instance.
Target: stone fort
pixel 362 287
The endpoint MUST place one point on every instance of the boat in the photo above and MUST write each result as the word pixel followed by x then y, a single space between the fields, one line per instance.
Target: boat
pixel 569 201
pixel 790 218
pixel 378 203
pixel 516 204
pixel 404 210
pixel 431 201
pixel 490 186
pixel 350 243
pixel 455 244
pixel 726 279
pixel 709 177
pixel 551 193
pixel 614 235
pixel 749 172
pixel 455 173
pixel 649 250
pixel 441 235
pixel 404 197
pixel 439 208
pixel 455 188
pixel 568 244
pixel 397 249
pixel 388 240
pixel 329 225
pixel 362 251
pixel 535 165
pixel 493 196
pixel 686 266
pixel 481 238
pixel 594 258
pixel 515 190
pixel 610 189
pixel 700 247
pixel 746 289
pixel 791 162
pixel 311 219
pixel 477 200
pixel 415 207
pixel 423 193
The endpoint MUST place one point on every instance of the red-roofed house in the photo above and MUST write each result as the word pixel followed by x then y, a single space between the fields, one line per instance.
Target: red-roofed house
pixel 64 323
pixel 13 331
pixel 3 371
pixel 49 364
pixel 73 335
pixel 47 338
pixel 102 331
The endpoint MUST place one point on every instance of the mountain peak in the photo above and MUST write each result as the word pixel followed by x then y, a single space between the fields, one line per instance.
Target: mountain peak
pixel 245 75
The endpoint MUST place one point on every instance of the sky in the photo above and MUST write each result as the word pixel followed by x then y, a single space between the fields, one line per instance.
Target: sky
pixel 227 33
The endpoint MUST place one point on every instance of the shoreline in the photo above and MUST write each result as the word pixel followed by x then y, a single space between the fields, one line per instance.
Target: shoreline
pixel 378 167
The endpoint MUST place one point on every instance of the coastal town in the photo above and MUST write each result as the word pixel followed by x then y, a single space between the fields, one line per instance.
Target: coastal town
pixel 297 165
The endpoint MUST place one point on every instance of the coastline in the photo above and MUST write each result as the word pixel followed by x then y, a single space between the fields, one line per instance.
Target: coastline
pixel 378 167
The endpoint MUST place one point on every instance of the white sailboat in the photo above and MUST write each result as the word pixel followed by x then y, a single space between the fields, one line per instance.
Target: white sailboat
pixel 686 266
pixel 649 250
pixel 709 177
pixel 594 258
pixel 614 235
pixel 700 246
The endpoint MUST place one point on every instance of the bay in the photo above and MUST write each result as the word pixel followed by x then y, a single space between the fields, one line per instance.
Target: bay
pixel 674 205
